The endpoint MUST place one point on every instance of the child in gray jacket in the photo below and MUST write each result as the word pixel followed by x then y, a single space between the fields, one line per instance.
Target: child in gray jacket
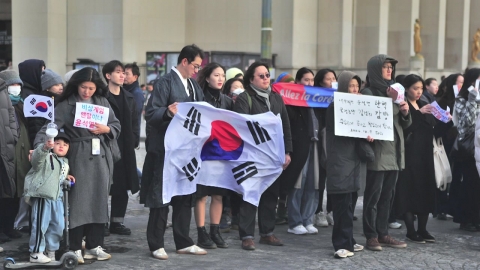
pixel 43 191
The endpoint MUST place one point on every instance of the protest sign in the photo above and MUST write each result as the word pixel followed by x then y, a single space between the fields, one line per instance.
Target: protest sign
pixel 87 115
pixel 304 96
pixel 439 113
pixel 361 116
pixel 401 92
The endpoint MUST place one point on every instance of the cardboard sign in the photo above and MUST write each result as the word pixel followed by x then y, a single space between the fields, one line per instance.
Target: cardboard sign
pixel 87 115
pixel 361 116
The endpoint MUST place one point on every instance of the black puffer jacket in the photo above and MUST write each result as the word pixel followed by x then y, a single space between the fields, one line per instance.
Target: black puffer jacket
pixel 8 139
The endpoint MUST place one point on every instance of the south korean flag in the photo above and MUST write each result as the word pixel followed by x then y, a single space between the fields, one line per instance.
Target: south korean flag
pixel 38 106
pixel 220 148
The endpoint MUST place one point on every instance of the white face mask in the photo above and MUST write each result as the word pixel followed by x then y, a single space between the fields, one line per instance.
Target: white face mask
pixel 14 90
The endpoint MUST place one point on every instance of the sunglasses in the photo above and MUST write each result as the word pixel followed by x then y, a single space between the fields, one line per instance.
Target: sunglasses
pixel 263 76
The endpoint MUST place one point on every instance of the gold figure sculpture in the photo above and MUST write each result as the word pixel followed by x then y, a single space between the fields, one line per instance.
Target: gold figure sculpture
pixel 476 46
pixel 417 41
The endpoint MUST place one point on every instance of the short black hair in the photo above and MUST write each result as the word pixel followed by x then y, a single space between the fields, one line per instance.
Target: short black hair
pixel 110 67
pixel 301 72
pixel 142 85
pixel 249 74
pixel 133 66
pixel 190 52
pixel 429 81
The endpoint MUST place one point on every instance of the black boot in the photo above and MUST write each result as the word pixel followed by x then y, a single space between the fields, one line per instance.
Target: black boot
pixel 216 237
pixel 204 240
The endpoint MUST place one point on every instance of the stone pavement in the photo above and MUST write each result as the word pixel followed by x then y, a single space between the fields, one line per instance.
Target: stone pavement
pixel 455 249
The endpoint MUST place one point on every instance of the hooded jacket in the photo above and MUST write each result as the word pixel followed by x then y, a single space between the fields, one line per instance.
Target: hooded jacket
pixel 346 173
pixel 389 156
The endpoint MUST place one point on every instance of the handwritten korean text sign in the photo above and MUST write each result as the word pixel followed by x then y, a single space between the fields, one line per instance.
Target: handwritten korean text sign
pixel 361 116
pixel 86 115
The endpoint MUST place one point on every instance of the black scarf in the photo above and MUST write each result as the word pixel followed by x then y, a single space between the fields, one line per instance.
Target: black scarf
pixel 131 87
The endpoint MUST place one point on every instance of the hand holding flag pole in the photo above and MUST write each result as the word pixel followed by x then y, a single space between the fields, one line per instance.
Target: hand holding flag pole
pixel 52 129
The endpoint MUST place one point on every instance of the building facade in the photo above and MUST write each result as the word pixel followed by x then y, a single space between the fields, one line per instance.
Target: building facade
pixel 339 34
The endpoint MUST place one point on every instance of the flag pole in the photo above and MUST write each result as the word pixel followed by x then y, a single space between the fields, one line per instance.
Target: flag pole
pixel 53 110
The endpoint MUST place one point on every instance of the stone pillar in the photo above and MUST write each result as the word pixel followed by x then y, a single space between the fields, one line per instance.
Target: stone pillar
pixel 456 34
pixel 304 39
pixel 474 25
pixel 335 34
pixel 371 30
pixel 39 30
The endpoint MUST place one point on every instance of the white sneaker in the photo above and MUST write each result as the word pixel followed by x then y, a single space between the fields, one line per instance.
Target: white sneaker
pixel 96 253
pixel 39 258
pixel 342 253
pixel 83 244
pixel 395 225
pixel 330 218
pixel 169 224
pixel 1 249
pixel 193 250
pixel 311 229
pixel 298 230
pixel 357 247
pixel 321 220
pixel 79 256
pixel 160 254
pixel 50 254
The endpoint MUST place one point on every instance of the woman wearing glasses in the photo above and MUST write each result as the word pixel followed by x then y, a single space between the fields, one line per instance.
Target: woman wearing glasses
pixel 211 78
pixel 259 98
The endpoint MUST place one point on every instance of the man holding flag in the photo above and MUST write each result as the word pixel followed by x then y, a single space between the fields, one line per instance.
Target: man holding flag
pixel 169 90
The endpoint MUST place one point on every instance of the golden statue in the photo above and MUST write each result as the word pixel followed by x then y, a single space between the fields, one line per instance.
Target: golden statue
pixel 417 41
pixel 476 46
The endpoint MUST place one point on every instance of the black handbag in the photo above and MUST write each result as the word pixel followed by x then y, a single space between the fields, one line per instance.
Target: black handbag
pixel 464 146
pixel 364 151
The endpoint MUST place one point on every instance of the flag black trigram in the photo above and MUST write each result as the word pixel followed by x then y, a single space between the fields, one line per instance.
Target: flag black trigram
pixel 50 114
pixel 49 104
pixel 244 171
pixel 193 121
pixel 259 134
pixel 191 169
pixel 33 112
pixel 33 101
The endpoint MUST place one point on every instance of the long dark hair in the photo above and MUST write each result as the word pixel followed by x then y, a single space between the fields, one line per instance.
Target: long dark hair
pixel 470 77
pixel 301 72
pixel 228 85
pixel 250 73
pixel 318 80
pixel 446 95
pixel 410 80
pixel 206 72
pixel 86 74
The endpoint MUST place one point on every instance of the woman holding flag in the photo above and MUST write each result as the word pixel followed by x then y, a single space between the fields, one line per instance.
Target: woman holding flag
pixel 91 161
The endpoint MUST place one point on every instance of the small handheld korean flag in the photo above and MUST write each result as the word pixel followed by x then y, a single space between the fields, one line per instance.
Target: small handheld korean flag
pixel 38 106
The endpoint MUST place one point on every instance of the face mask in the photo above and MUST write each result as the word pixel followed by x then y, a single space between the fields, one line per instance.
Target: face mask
pixel 14 90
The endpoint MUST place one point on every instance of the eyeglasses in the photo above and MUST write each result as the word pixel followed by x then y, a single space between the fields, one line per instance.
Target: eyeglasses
pixel 388 67
pixel 263 76
pixel 196 67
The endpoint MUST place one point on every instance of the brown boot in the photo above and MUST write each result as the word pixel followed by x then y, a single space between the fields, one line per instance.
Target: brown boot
pixel 271 240
pixel 248 244
pixel 389 241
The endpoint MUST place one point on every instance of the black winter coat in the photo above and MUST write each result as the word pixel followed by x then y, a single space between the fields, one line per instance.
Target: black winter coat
pixel 125 170
pixel 260 106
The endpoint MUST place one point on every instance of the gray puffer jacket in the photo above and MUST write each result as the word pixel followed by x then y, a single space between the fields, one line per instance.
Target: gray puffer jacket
pixel 8 139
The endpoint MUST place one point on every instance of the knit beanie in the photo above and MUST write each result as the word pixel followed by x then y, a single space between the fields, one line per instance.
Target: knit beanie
pixel 10 77
pixel 232 72
pixel 285 78
pixel 50 78
pixel 69 74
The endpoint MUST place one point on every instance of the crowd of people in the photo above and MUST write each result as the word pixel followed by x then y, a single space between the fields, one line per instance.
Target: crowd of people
pixel 396 178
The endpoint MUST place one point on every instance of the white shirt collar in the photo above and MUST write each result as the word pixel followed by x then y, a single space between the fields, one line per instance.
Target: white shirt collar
pixel 184 81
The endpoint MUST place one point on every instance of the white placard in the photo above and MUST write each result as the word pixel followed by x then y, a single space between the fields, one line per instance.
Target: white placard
pixel 361 116
pixel 86 115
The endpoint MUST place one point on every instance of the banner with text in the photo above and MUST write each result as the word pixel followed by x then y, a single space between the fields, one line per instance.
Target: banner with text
pixel 86 115
pixel 361 116
pixel 304 96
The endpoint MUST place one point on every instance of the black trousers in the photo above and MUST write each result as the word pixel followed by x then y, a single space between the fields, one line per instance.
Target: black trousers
pixel 469 210
pixel 235 202
pixel 181 216
pixel 8 212
pixel 343 208
pixel 266 214
pixel 93 233
pixel 377 202
pixel 321 190
pixel 119 207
